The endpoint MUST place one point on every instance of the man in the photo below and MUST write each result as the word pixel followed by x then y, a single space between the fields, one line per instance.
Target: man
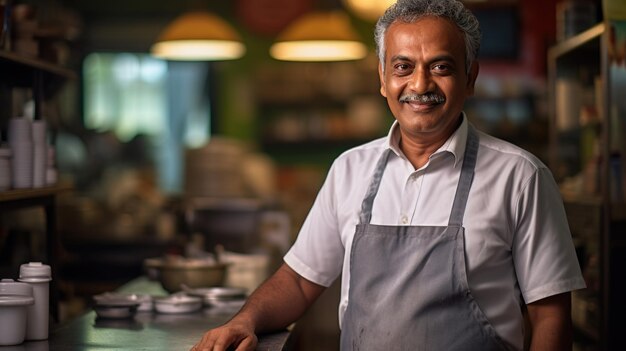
pixel 441 233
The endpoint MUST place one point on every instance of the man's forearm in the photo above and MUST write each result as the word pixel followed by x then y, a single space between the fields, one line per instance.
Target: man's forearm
pixel 551 339
pixel 551 323
pixel 279 301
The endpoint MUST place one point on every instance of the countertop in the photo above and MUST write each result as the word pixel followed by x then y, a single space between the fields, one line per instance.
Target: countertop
pixel 147 331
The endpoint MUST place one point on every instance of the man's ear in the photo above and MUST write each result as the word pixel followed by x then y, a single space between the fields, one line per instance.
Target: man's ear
pixel 471 78
pixel 381 77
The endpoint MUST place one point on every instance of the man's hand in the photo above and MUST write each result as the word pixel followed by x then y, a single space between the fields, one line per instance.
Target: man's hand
pixel 278 302
pixel 233 335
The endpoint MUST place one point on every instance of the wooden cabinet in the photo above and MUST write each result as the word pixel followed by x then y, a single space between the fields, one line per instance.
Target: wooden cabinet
pixel 24 72
pixel 587 158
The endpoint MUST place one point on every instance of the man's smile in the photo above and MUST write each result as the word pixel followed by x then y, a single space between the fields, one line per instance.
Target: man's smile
pixel 422 102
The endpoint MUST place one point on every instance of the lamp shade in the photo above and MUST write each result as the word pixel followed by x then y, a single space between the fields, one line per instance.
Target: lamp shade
pixel 369 10
pixel 319 36
pixel 198 36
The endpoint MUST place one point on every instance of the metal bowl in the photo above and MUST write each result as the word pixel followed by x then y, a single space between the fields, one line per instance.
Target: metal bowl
pixel 116 307
pixel 220 296
pixel 144 300
pixel 177 304
pixel 173 273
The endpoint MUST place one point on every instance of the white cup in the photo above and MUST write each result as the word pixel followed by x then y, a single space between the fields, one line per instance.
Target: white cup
pixel 39 165
pixel 39 131
pixel 20 130
pixel 38 276
pixel 22 165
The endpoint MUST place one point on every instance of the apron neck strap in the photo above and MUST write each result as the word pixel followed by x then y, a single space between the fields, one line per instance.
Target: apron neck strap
pixel 372 190
pixel 465 179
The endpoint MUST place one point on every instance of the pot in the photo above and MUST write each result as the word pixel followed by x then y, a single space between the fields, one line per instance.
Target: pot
pixel 174 272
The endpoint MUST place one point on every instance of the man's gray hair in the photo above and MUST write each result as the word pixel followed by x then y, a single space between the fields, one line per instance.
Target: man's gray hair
pixel 411 10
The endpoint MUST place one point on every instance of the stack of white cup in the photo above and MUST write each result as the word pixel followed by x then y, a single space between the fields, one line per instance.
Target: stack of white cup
pixel 40 153
pixel 20 141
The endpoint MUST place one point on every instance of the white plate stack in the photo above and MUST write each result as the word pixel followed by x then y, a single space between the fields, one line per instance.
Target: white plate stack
pixel 40 153
pixel 5 168
pixel 20 141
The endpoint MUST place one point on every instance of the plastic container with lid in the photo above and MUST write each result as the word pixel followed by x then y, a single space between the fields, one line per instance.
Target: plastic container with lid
pixel 15 297
pixel 38 276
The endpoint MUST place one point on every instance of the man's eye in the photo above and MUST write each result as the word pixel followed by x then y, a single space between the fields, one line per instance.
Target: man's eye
pixel 402 67
pixel 441 68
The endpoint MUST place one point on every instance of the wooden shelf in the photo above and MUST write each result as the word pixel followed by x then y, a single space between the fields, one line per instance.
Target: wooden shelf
pixel 28 194
pixel 598 221
pixel 44 79
pixel 576 42
pixel 33 63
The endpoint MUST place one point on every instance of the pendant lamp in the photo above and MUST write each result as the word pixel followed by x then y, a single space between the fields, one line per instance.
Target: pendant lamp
pixel 369 10
pixel 198 36
pixel 319 36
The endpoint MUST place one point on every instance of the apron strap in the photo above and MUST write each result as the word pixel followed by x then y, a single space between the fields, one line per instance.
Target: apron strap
pixel 465 179
pixel 372 190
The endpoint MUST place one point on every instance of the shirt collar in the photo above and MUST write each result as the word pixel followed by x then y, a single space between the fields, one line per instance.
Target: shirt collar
pixel 454 145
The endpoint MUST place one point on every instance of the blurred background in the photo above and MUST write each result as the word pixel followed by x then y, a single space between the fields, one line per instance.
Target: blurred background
pixel 157 156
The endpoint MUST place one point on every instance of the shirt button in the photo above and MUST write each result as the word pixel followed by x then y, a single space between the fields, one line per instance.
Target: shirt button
pixel 404 220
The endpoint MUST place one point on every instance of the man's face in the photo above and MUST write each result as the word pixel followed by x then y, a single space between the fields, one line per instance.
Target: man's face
pixel 426 57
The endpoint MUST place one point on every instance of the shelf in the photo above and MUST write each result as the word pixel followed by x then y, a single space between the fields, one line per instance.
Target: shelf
pixel 29 194
pixel 33 63
pixel 597 221
pixel 571 44
pixel 44 79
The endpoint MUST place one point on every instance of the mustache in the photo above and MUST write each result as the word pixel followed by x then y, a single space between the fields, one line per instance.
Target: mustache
pixel 427 98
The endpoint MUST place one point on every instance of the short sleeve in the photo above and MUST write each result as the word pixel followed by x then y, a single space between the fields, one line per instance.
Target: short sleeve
pixel 543 250
pixel 318 251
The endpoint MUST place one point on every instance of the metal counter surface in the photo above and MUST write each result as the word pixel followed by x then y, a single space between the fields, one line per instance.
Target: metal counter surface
pixel 147 331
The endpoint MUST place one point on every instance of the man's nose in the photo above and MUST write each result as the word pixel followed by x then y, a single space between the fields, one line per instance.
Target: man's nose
pixel 421 81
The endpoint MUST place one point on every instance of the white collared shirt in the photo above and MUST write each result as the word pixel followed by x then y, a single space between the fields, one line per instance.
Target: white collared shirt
pixel 517 240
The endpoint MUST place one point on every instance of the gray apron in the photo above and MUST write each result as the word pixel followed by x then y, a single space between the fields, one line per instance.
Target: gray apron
pixel 408 284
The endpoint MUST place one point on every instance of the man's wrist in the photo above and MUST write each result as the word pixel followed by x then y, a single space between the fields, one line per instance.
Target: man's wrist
pixel 244 321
